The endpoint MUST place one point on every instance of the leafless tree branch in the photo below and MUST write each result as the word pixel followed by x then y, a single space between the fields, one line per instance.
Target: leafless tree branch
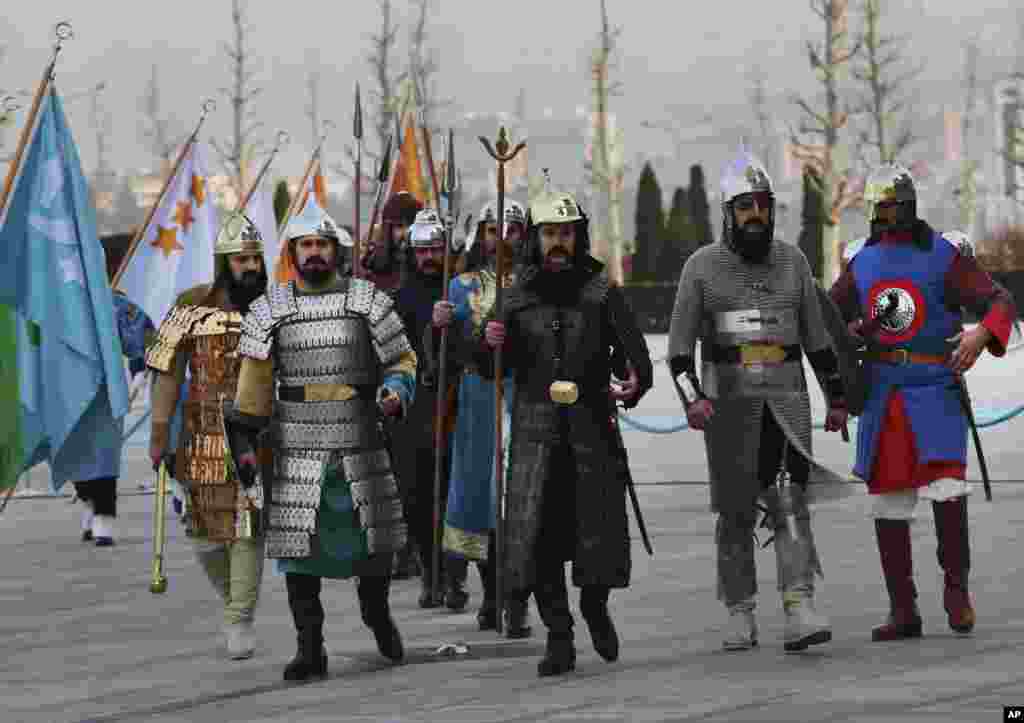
pixel 232 151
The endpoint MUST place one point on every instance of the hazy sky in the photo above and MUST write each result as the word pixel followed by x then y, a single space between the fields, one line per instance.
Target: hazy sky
pixel 680 59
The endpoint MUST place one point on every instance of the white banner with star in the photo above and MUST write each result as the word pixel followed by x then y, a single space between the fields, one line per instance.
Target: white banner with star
pixel 176 251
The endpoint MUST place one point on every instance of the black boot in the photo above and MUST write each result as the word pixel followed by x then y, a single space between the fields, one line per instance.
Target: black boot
pixel 517 617
pixel 487 617
pixel 559 655
pixel 455 597
pixel 304 600
pixel 427 599
pixel 376 612
pixel 594 608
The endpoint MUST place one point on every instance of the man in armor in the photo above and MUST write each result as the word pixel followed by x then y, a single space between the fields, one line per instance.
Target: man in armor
pixel 911 283
pixel 472 510
pixel 323 359
pixel 562 328
pixel 386 251
pixel 753 304
pixel 200 335
pixel 413 437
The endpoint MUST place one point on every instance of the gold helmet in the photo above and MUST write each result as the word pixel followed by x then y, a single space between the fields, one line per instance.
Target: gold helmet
pixel 555 207
pixel 889 183
pixel 237 235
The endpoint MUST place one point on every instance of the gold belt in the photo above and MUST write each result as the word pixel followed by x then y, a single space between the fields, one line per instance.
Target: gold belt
pixel 564 392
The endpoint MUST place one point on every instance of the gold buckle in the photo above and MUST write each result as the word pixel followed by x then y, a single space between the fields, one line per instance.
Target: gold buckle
pixel 564 392
pixel 761 354
pixel 902 356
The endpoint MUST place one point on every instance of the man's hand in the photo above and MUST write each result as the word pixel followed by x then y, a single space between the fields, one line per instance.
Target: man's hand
pixel 444 312
pixel 494 334
pixel 699 414
pixel 247 468
pixel 854 329
pixel 836 419
pixel 390 404
pixel 626 390
pixel 156 454
pixel 969 347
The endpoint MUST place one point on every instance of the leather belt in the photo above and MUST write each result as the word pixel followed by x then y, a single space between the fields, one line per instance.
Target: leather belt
pixel 324 392
pixel 755 354
pixel 902 356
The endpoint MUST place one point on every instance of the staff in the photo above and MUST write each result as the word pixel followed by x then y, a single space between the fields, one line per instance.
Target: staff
pixel 158 581
pixel 500 153
pixel 357 132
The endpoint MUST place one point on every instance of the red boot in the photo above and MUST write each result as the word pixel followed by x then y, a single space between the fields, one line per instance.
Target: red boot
pixel 954 553
pixel 897 564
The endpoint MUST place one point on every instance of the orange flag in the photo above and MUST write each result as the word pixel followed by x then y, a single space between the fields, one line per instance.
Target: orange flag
pixel 408 173
pixel 284 270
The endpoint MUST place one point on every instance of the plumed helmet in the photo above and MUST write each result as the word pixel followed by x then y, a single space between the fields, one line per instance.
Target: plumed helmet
pixel 313 221
pixel 744 174
pixel 401 209
pixel 237 235
pixel 514 213
pixel 889 183
pixel 426 231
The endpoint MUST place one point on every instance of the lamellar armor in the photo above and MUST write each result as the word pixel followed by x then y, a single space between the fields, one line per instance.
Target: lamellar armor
pixel 207 337
pixel 329 353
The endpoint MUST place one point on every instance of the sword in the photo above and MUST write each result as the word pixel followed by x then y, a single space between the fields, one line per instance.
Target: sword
pixel 629 483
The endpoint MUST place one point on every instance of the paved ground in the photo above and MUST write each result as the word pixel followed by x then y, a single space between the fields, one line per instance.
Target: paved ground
pixel 85 640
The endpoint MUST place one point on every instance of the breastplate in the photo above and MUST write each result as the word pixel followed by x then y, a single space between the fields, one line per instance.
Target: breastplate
pixel 214 362
pixel 324 343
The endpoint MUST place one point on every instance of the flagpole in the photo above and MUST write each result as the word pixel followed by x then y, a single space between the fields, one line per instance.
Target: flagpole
pixel 430 158
pixel 282 139
pixel 313 160
pixel 357 131
pixel 63 32
pixel 208 107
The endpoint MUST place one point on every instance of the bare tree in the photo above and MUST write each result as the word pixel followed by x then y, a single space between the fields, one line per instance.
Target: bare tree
pixel 828 62
pixel 967 192
pixel 380 61
pixel 313 106
pixel 883 75
pixel 424 67
pixel 161 136
pixel 234 151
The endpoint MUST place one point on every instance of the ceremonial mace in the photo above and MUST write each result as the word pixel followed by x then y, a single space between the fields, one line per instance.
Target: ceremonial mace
pixel 500 153
pixel 450 190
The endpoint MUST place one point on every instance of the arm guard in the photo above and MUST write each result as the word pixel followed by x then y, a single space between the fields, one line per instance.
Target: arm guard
pixel 684 376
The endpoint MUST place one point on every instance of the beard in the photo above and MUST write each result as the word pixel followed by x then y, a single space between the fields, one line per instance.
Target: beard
pixel 557 260
pixel 381 262
pixel 315 271
pixel 754 241
pixel 429 268
pixel 246 290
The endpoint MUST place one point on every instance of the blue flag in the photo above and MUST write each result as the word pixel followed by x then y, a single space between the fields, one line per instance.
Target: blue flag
pixel 73 392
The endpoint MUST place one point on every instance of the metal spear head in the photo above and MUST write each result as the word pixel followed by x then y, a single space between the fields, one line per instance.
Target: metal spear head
pixel 450 182
pixel 385 162
pixel 357 120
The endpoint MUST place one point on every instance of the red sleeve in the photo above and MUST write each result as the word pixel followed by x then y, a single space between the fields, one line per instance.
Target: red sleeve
pixel 844 294
pixel 970 286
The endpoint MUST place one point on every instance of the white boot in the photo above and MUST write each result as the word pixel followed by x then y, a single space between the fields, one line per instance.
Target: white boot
pixel 241 640
pixel 804 626
pixel 741 631
pixel 87 517
pixel 103 530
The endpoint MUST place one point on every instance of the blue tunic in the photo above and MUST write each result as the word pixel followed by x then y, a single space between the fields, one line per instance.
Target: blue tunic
pixel 922 325
pixel 471 510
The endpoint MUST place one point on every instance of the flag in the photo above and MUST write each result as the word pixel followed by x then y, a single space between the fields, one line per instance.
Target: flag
pixel 315 188
pixel 260 210
pixel 176 250
pixel 407 174
pixel 61 355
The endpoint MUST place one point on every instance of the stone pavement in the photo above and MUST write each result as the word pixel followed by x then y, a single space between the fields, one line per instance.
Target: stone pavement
pixel 85 640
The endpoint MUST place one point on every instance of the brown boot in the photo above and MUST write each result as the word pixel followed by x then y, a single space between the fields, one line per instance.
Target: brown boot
pixel 897 564
pixel 954 555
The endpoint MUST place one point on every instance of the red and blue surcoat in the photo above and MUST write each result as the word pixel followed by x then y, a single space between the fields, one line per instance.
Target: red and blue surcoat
pixel 913 430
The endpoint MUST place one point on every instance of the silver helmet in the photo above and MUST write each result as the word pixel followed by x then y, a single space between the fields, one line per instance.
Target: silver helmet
pixel 427 231
pixel 514 213
pixel 744 174
pixel 314 221
pixel 890 183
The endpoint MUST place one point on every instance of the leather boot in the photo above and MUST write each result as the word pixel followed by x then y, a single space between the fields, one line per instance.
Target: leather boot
pixel 896 554
pixel 455 597
pixel 487 617
pixel 517 616
pixel 304 600
pixel 954 555
pixel 594 608
pixel 559 655
pixel 427 599
pixel 376 612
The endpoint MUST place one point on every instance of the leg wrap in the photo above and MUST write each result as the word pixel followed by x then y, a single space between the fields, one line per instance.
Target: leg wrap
pixel 796 555
pixel 245 578
pixel 215 561
pixel 737 572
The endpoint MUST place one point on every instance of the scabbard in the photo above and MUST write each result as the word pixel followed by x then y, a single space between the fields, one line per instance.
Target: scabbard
pixel 965 403
pixel 629 483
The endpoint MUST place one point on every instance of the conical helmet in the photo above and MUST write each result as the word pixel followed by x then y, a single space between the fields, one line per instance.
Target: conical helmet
pixel 237 235
pixel 744 174
pixel 427 231
pixel 889 183
pixel 514 213
pixel 313 221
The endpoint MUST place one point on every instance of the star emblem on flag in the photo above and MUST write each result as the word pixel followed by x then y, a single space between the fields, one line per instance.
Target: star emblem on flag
pixel 199 189
pixel 183 215
pixel 167 241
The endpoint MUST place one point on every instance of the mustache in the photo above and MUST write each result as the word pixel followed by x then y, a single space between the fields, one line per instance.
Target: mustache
pixel 315 261
pixel 558 251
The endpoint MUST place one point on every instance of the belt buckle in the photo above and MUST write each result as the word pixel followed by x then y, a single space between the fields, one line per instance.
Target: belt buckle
pixel 761 354
pixel 565 393
pixel 902 356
